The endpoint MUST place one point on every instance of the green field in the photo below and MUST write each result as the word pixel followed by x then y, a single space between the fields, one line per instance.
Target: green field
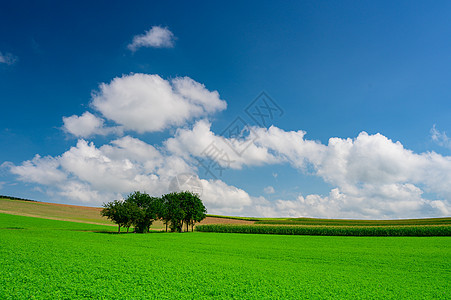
pixel 48 259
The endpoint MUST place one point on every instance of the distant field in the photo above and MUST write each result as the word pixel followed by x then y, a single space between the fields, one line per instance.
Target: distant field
pixel 48 259
pixel 83 214
pixel 92 215
pixel 347 222
pixel 341 222
pixel 53 211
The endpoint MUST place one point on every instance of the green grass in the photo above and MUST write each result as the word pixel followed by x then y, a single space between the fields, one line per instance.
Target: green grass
pixel 412 230
pixel 48 259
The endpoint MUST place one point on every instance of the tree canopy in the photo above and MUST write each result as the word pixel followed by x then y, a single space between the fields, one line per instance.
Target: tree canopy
pixel 140 210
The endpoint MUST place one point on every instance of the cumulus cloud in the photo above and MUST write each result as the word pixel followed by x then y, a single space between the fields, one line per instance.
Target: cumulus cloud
pixel 7 58
pixel 42 170
pixel 200 141
pixel 373 176
pixel 156 37
pixel 440 138
pixel 149 103
pixel 88 125
pixel 92 175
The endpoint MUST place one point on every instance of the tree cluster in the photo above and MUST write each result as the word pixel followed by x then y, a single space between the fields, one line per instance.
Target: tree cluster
pixel 140 210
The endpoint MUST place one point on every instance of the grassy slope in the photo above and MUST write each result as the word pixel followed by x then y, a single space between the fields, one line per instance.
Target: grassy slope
pixel 62 212
pixel 53 259
pixel 57 211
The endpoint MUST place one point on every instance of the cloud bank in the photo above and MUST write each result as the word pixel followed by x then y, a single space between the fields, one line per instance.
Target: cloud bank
pixel 371 176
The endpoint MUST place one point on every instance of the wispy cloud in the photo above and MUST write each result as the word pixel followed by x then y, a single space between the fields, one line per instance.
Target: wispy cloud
pixel 440 138
pixel 8 58
pixel 156 37
pixel 269 190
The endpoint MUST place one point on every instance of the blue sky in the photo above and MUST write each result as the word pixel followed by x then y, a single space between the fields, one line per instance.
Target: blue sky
pixel 364 89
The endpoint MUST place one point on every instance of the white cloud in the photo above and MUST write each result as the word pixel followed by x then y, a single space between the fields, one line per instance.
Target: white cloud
pixel 440 138
pixel 7 58
pixel 371 176
pixel 91 175
pixel 269 190
pixel 148 103
pixel 382 202
pixel 200 141
pixel 42 170
pixel 221 198
pixel 374 176
pixel 156 37
pixel 88 125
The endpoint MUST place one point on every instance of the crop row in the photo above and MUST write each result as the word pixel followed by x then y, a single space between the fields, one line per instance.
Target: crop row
pixel 330 230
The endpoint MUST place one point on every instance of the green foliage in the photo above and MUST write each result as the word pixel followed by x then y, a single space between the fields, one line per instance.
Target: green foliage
pixel 143 211
pixel 439 230
pixel 140 210
pixel 174 212
pixel 193 207
pixel 117 213
pixel 47 259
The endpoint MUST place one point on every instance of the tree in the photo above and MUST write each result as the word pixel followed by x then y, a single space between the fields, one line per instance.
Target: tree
pixel 140 210
pixel 200 212
pixel 182 208
pixel 195 210
pixel 173 212
pixel 145 213
pixel 131 213
pixel 115 212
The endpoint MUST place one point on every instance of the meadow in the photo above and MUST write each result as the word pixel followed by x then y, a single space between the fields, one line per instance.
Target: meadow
pixel 50 259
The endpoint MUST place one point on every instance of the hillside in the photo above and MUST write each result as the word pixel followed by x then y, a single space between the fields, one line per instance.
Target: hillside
pixel 81 214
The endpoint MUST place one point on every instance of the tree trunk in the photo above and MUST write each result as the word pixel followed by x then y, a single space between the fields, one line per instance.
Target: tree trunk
pixel 166 226
pixel 187 223
pixel 119 229
pixel 192 227
pixel 128 229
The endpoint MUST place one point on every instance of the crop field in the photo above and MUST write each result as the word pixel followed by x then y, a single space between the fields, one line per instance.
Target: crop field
pixel 411 230
pixel 49 259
